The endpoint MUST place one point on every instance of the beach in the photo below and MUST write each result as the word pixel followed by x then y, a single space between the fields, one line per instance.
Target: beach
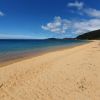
pixel 67 74
pixel 15 50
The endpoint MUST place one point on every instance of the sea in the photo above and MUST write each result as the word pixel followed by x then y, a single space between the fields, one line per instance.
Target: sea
pixel 16 49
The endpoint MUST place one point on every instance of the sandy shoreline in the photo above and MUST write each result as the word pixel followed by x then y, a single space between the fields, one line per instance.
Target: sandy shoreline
pixel 69 74
pixel 13 58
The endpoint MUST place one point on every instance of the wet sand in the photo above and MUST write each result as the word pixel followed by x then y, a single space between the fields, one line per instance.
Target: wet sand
pixel 13 57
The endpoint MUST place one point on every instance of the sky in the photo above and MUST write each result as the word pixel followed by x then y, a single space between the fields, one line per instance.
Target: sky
pixel 39 19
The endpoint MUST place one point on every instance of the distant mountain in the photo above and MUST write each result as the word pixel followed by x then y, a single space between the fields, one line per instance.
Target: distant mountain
pixel 60 39
pixel 52 39
pixel 90 35
pixel 68 38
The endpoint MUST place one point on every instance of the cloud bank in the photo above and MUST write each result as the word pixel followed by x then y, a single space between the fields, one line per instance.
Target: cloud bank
pixel 80 6
pixel 11 36
pixel 60 25
pixel 75 27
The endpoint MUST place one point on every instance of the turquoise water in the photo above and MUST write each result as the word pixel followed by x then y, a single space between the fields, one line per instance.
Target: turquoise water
pixel 12 49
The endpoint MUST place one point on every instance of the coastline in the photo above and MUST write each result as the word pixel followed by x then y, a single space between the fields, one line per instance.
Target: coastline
pixel 67 74
pixel 39 53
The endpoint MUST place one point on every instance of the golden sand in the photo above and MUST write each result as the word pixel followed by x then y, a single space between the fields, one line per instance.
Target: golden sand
pixel 69 74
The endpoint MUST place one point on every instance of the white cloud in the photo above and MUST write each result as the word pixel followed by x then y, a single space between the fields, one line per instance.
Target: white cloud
pixel 87 25
pixel 60 26
pixel 73 26
pixel 76 4
pixel 92 12
pixel 1 13
pixel 57 26
pixel 85 10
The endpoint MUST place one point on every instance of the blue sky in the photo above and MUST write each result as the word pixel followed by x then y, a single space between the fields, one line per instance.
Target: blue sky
pixel 48 18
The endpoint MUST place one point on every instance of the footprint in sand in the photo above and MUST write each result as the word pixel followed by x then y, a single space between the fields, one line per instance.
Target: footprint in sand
pixel 1 85
pixel 94 47
pixel 82 85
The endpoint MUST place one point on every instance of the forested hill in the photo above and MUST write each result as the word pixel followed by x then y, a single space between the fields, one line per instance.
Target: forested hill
pixel 90 35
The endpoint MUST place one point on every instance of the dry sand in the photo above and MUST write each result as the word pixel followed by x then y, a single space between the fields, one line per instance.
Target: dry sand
pixel 69 74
